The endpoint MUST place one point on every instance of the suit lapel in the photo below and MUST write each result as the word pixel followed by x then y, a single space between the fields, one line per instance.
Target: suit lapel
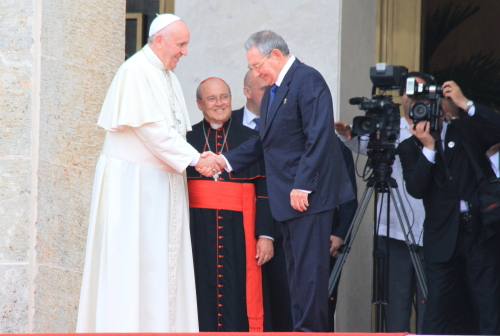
pixel 451 143
pixel 277 101
pixel 278 97
pixel 263 111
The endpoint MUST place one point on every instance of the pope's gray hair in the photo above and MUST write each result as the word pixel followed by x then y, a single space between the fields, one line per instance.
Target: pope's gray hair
pixel 266 41
pixel 163 32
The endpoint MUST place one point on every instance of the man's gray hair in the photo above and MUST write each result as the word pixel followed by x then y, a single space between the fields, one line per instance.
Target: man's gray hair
pixel 266 41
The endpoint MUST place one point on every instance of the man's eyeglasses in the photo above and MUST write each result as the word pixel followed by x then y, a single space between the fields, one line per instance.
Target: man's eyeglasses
pixel 253 67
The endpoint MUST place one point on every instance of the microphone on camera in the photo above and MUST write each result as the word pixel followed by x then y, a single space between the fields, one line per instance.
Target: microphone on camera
pixel 356 100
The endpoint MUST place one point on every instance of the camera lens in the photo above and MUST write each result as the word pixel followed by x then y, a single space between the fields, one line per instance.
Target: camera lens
pixel 363 125
pixel 419 111
pixel 366 126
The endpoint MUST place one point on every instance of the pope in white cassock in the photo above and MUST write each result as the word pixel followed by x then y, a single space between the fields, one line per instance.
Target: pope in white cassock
pixel 138 274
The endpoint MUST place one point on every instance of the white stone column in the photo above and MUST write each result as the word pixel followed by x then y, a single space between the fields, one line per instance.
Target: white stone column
pixel 354 309
pixel 57 59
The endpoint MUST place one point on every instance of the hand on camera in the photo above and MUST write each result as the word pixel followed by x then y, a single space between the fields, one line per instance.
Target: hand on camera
pixel 422 131
pixel 343 129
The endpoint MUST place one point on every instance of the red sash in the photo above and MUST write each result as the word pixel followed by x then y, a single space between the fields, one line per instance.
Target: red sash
pixel 236 197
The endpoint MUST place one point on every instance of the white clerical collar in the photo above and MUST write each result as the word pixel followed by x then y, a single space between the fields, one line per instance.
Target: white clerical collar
pixel 152 58
pixel 285 69
pixel 216 126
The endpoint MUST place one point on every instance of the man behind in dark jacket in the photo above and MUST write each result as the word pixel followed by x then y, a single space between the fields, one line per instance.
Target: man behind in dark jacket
pixel 455 240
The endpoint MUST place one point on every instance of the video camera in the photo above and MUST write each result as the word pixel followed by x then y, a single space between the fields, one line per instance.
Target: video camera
pixel 429 109
pixel 382 119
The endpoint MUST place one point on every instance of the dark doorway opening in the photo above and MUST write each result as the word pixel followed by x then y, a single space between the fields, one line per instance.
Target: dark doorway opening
pixel 460 43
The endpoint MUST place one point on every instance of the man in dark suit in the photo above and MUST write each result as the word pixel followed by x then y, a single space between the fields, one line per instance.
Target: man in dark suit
pixel 306 173
pixel 455 241
pixel 277 307
pixel 253 89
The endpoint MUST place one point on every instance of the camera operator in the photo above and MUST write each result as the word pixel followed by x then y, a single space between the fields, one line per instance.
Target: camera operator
pixel 402 282
pixel 455 241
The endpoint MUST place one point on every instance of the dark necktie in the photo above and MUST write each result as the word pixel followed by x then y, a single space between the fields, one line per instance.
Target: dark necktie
pixel 256 120
pixel 274 88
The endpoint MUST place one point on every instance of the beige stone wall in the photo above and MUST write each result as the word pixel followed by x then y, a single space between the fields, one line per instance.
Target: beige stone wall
pixel 16 72
pixel 57 59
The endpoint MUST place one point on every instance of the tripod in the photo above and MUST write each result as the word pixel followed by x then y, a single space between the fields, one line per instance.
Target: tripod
pixel 381 181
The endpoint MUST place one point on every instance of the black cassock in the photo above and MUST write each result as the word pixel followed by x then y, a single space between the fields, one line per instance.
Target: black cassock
pixel 218 238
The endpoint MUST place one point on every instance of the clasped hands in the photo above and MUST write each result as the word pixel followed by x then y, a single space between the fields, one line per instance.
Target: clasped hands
pixel 210 164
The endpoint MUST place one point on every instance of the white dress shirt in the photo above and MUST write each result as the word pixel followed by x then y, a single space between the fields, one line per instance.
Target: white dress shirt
pixel 495 163
pixel 248 118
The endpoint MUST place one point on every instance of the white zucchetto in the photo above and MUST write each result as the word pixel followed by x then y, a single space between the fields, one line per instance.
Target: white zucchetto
pixel 161 21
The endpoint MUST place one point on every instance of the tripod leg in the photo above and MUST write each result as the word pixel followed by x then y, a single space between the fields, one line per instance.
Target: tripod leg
pixel 410 241
pixel 351 233
pixel 418 265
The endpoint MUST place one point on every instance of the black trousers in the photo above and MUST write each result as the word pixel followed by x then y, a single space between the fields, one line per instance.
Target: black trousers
pixel 306 241
pixel 277 307
pixel 480 264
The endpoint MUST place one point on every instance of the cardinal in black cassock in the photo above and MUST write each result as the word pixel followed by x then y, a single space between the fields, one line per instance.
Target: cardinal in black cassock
pixel 224 234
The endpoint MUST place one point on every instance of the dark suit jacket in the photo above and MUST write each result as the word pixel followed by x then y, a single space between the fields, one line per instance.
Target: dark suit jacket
pixel 297 140
pixel 344 213
pixel 238 115
pixel 441 198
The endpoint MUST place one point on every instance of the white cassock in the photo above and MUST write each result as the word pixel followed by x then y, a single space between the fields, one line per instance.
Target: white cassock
pixel 138 274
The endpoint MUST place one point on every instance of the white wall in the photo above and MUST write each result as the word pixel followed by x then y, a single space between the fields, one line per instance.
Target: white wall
pixel 220 28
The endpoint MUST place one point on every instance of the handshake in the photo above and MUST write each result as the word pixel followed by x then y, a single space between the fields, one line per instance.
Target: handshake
pixel 210 164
